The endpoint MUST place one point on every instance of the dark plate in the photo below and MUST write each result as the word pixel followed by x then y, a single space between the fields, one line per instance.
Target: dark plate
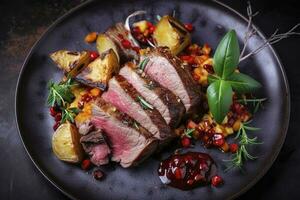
pixel 211 20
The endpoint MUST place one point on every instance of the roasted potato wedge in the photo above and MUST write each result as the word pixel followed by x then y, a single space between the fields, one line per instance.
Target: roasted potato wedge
pixel 71 62
pixel 66 145
pixel 98 72
pixel 104 43
pixel 171 33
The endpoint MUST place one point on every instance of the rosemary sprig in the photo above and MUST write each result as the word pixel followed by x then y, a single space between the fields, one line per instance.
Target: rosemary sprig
pixel 60 93
pixel 136 125
pixel 256 103
pixel 69 114
pixel 242 153
pixel 144 103
pixel 143 64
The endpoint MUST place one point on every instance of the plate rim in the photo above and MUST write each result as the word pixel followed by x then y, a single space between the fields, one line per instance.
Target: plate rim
pixel 284 130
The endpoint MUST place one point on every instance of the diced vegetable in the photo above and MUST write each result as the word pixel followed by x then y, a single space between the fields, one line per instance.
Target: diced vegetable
pixel 71 62
pixel 98 72
pixel 171 33
pixel 66 145
pixel 104 43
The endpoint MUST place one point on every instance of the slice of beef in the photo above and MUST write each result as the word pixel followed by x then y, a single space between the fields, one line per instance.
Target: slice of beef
pixel 95 146
pixel 117 34
pixel 168 105
pixel 130 143
pixel 170 72
pixel 123 96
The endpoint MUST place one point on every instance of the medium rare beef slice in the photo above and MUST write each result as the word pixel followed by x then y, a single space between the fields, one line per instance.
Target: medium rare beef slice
pixel 168 104
pixel 170 73
pixel 130 143
pixel 95 146
pixel 122 95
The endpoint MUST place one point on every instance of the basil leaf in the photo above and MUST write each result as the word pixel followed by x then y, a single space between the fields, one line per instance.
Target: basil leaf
pixel 219 96
pixel 212 78
pixel 226 57
pixel 242 83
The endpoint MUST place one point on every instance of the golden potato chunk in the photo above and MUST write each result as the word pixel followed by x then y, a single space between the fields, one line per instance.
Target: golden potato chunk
pixel 104 43
pixel 171 33
pixel 98 72
pixel 66 145
pixel 71 62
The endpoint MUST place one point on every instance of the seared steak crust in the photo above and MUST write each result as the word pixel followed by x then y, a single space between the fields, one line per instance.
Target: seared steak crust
pixel 169 71
pixel 168 105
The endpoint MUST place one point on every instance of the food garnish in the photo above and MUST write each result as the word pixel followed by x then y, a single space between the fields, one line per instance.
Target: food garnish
pixel 242 154
pixel 226 80
pixel 60 94
pixel 144 103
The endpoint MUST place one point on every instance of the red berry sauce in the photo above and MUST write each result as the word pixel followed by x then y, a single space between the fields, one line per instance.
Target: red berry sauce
pixel 187 171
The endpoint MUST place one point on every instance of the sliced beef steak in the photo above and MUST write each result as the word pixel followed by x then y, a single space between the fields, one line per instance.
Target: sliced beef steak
pixel 170 73
pixel 130 143
pixel 168 105
pixel 95 146
pixel 122 95
pixel 117 34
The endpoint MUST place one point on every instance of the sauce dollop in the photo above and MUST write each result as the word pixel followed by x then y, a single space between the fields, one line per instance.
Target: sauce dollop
pixel 187 171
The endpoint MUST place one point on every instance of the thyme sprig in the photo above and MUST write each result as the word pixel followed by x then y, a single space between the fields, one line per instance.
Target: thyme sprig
pixel 256 103
pixel 245 142
pixel 189 132
pixel 60 93
pixel 69 114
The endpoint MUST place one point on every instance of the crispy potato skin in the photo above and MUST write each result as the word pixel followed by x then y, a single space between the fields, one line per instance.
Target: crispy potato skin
pixel 171 33
pixel 66 145
pixel 104 43
pixel 71 62
pixel 98 72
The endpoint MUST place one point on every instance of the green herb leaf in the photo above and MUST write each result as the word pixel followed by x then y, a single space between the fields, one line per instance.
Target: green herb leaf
pixel 143 64
pixel 242 153
pixel 243 83
pixel 219 96
pixel 226 57
pixel 144 103
pixel 189 132
pixel 60 93
pixel 69 114
pixel 212 78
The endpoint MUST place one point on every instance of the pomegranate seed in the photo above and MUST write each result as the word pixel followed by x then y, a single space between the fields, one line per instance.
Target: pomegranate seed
pixel 151 29
pixel 185 142
pixel 178 174
pixel 189 27
pixel 218 140
pixel 149 24
pixel 216 180
pixel 209 68
pixel 57 117
pixel 126 44
pixel 93 55
pixel 136 49
pixel 233 147
pixel 56 125
pixel 98 174
pixel 52 111
pixel 120 36
pixel 136 30
pixel 86 164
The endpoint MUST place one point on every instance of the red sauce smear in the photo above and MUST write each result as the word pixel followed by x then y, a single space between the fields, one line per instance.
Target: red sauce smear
pixel 187 171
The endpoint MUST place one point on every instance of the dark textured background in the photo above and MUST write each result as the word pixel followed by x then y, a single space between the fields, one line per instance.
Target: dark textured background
pixel 23 21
